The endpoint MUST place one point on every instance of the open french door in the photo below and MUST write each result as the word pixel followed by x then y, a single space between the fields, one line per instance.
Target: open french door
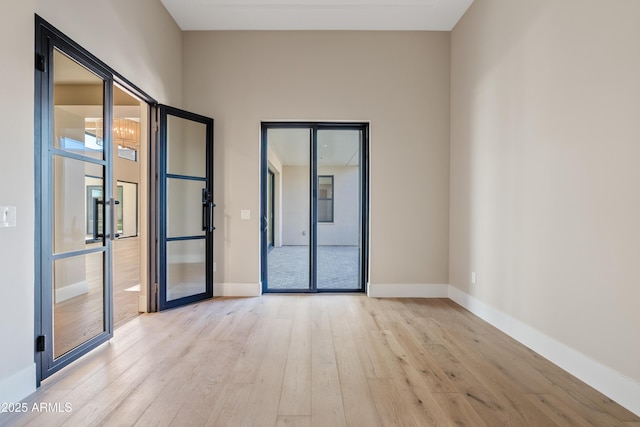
pixel 75 202
pixel 185 226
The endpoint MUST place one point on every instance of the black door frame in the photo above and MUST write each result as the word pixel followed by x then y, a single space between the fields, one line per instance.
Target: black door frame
pixel 207 208
pixel 364 202
pixel 47 37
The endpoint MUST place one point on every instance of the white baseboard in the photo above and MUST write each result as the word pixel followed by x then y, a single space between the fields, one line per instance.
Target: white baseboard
pixel 19 385
pixel 237 289
pixel 73 290
pixel 607 381
pixel 409 290
pixel 143 304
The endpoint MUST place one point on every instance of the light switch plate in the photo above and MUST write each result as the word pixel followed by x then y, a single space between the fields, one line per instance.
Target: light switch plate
pixel 7 216
pixel 245 214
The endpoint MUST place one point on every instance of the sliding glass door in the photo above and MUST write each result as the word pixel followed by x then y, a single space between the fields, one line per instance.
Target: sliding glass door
pixel 314 209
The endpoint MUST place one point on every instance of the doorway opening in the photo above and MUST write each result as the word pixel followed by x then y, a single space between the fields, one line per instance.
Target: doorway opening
pixel 314 207
pixel 131 124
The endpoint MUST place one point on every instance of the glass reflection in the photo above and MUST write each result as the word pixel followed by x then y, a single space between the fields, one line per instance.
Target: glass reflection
pixel 186 272
pixel 184 207
pixel 78 295
pixel 186 147
pixel 78 97
pixel 78 207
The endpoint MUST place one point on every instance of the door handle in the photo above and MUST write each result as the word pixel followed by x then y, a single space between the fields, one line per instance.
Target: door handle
pixel 211 206
pixel 207 211
pixel 204 216
pixel 113 235
pixel 97 204
pixel 205 203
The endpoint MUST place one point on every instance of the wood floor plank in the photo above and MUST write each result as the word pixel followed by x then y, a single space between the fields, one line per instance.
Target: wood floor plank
pixel 407 348
pixel 594 413
pixel 359 406
pixel 560 414
pixel 296 387
pixel 483 396
pixel 505 391
pixel 293 421
pixel 390 404
pixel 459 410
pixel 263 404
pixel 230 407
pixel 249 359
pixel 572 391
pixel 326 396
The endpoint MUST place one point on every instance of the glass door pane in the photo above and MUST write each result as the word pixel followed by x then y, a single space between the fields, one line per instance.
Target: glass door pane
pixel 127 208
pixel 186 247
pixel 270 209
pixel 338 209
pixel 78 200
pixel 78 301
pixel 289 157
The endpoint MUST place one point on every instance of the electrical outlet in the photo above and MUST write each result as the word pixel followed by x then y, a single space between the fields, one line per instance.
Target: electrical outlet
pixel 473 277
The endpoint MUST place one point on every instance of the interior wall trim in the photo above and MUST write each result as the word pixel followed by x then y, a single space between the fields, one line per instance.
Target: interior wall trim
pixel 407 290
pixel 613 384
pixel 19 385
pixel 237 289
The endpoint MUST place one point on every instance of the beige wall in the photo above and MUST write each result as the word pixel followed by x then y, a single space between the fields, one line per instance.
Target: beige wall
pixel 544 169
pixel 16 166
pixel 397 81
pixel 138 39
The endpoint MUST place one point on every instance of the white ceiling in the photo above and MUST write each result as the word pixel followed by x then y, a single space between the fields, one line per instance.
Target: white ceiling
pixel 401 15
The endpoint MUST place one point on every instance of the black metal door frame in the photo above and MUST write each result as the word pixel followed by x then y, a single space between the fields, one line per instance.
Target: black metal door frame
pixel 207 207
pixel 364 202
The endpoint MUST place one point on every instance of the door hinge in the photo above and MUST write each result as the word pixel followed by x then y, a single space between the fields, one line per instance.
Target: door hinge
pixel 40 343
pixel 41 63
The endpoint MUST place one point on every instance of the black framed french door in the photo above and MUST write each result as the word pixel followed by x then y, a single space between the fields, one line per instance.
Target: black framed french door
pixel 185 166
pixel 314 207
pixel 75 202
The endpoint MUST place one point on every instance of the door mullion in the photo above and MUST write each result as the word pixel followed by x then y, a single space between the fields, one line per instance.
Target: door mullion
pixel 313 211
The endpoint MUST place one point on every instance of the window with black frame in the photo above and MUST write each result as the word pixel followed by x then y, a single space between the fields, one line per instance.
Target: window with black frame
pixel 325 198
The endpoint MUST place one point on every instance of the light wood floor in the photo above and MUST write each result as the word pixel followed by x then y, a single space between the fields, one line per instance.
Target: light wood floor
pixel 82 317
pixel 321 360
pixel 126 274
